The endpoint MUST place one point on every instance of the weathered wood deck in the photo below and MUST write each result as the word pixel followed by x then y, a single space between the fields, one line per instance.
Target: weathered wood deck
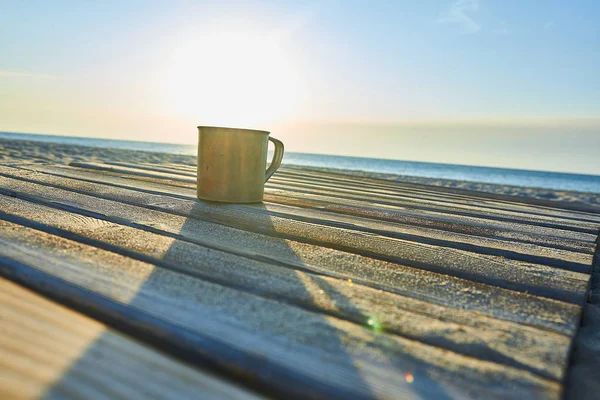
pixel 116 281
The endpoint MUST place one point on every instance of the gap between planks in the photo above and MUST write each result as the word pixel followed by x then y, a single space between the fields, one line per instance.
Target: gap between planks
pixel 576 207
pixel 378 274
pixel 351 301
pixel 464 210
pixel 496 230
pixel 239 332
pixel 539 279
pixel 532 205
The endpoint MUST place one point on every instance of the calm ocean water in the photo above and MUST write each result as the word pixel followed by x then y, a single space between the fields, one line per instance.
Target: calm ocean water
pixel 516 177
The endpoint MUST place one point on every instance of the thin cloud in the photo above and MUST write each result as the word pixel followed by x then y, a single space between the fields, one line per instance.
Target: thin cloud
pixel 548 25
pixel 458 13
pixel 15 74
pixel 502 29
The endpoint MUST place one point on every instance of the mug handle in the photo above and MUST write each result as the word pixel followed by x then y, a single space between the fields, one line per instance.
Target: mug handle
pixel 277 157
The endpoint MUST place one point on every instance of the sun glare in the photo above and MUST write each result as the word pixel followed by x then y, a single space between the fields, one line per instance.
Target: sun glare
pixel 233 77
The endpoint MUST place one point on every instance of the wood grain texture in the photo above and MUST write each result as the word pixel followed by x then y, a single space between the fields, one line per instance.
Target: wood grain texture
pixel 413 191
pixel 543 236
pixel 438 204
pixel 571 210
pixel 454 197
pixel 382 275
pixel 469 333
pixel 375 223
pixel 576 207
pixel 335 287
pixel 461 230
pixel 296 352
pixel 342 192
pixel 49 351
pixel 511 274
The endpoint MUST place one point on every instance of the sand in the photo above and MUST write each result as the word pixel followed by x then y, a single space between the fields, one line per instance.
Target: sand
pixel 31 151
pixel 26 150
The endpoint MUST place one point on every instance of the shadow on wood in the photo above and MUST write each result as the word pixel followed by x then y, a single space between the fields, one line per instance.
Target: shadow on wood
pixel 263 373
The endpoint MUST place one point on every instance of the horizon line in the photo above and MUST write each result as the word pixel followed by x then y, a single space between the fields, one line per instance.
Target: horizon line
pixel 318 154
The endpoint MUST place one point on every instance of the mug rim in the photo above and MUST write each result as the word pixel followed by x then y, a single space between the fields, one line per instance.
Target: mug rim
pixel 234 129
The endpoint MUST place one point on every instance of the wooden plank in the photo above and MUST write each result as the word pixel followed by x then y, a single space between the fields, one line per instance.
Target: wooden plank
pixel 283 181
pixel 170 169
pixel 50 351
pixel 459 209
pixel 473 334
pixel 173 175
pixel 469 230
pixel 474 226
pixel 181 167
pixel 593 220
pixel 377 273
pixel 440 205
pixel 419 194
pixel 381 275
pixel 295 352
pixel 492 200
pixel 515 275
pixel 510 249
pixel 576 206
pixel 475 244
pixel 414 191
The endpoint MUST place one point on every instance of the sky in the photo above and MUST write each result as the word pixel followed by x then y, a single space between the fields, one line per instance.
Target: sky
pixel 508 83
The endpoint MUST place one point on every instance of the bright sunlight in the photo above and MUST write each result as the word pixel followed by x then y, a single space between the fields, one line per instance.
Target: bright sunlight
pixel 232 77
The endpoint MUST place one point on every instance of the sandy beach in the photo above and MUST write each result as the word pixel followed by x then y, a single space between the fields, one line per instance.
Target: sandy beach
pixel 27 150
pixel 32 151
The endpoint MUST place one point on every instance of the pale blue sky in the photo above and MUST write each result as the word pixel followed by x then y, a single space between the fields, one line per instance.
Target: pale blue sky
pixel 472 82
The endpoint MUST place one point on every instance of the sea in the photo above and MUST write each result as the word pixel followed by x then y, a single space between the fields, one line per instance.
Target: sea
pixel 503 176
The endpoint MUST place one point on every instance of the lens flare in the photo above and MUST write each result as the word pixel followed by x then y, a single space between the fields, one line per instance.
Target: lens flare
pixel 375 324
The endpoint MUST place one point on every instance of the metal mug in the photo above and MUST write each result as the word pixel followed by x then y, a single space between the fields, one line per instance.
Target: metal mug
pixel 232 164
